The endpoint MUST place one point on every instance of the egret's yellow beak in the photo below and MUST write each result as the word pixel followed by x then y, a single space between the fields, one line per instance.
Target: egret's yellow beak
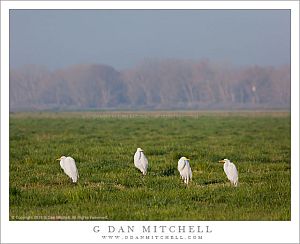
pixel 221 161
pixel 58 159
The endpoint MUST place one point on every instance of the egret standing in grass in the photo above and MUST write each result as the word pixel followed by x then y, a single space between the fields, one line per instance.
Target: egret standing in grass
pixel 140 161
pixel 184 169
pixel 69 167
pixel 231 171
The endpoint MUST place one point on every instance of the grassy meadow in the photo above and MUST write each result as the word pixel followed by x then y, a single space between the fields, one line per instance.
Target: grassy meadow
pixel 111 188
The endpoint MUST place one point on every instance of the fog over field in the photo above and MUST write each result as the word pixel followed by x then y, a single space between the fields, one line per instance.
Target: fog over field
pixel 149 59
pixel 152 84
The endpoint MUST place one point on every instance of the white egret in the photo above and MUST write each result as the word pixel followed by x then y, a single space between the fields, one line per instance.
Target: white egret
pixel 69 167
pixel 231 171
pixel 140 161
pixel 184 169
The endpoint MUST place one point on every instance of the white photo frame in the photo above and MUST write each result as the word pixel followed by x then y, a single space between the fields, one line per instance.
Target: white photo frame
pixel 194 231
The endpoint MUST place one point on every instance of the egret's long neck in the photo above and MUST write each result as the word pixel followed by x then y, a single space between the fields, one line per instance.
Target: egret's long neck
pixel 226 164
pixel 140 155
pixel 184 164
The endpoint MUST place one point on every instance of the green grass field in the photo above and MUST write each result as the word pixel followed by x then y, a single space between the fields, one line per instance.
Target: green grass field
pixel 111 188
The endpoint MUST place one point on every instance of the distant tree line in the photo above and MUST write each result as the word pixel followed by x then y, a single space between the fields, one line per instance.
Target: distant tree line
pixel 153 84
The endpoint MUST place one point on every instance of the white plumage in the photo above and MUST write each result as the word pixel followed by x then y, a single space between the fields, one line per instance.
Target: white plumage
pixel 184 169
pixel 230 171
pixel 140 161
pixel 69 167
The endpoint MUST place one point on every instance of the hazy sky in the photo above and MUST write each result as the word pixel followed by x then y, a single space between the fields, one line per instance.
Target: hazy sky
pixel 122 38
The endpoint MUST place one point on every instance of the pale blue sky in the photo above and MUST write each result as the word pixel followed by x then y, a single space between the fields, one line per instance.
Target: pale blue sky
pixel 122 38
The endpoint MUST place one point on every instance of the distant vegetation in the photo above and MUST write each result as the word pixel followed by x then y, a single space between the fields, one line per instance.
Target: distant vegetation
pixel 153 84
